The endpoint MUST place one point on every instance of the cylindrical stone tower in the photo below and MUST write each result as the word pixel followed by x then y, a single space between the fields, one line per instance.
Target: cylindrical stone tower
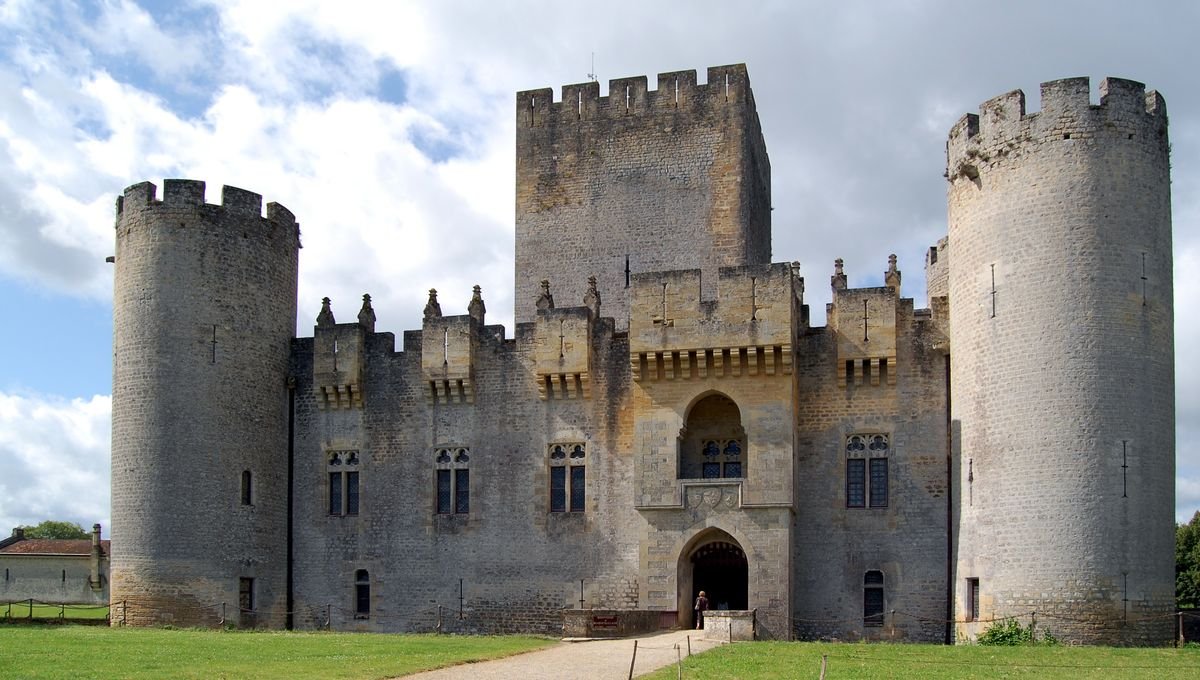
pixel 204 311
pixel 1062 363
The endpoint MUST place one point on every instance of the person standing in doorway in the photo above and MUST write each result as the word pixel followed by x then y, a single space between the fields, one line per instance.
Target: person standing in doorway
pixel 700 607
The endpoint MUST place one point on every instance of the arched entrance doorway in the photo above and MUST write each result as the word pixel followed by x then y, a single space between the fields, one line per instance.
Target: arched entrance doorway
pixel 715 563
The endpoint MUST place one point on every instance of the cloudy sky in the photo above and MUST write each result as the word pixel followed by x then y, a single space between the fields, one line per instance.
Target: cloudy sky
pixel 388 129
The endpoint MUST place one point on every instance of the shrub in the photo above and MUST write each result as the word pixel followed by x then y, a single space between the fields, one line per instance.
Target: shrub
pixel 1009 632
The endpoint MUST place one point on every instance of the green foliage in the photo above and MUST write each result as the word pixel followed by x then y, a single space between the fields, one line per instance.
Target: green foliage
pixel 1187 563
pixel 1009 632
pixel 53 529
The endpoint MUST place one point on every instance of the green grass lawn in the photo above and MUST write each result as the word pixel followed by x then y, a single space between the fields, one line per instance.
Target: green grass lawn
pixel 90 652
pixel 779 660
pixel 21 610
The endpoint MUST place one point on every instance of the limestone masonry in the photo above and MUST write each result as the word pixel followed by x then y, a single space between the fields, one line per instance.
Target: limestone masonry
pixel 665 419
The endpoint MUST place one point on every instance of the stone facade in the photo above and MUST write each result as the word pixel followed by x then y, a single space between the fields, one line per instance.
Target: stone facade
pixel 674 423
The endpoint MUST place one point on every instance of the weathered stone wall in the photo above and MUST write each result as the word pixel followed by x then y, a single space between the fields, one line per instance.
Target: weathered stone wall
pixel 906 539
pixel 519 563
pixel 666 179
pixel 683 350
pixel 204 309
pixel 1062 329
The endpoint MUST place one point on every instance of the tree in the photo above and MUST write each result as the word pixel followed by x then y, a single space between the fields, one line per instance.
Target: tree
pixel 53 529
pixel 1187 563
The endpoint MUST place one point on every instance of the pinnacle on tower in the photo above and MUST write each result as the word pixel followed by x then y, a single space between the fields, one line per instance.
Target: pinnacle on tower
pixel 325 317
pixel 476 309
pixel 838 280
pixel 892 276
pixel 591 299
pixel 432 309
pixel 545 300
pixel 366 315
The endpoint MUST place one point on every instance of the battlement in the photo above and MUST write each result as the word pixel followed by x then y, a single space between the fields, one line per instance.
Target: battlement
pixel 1002 127
pixel 677 91
pixel 187 193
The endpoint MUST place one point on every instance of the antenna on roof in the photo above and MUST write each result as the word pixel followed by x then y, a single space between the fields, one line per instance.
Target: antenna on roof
pixel 592 74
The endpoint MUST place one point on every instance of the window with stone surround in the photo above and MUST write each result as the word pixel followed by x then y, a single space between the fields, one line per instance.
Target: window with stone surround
pixel 452 493
pixel 713 442
pixel 568 477
pixel 972 599
pixel 247 488
pixel 246 594
pixel 867 470
pixel 873 598
pixel 362 594
pixel 343 483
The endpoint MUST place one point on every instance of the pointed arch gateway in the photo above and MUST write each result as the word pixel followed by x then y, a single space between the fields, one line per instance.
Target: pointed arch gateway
pixel 713 561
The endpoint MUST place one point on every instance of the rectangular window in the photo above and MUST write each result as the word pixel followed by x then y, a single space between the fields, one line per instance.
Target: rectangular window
pixel 577 488
pixel 246 594
pixel 462 491
pixel 558 489
pixel 873 606
pixel 443 492
pixel 879 482
pixel 711 471
pixel 856 491
pixel 335 493
pixel 246 487
pixel 972 599
pixel 362 594
pixel 351 493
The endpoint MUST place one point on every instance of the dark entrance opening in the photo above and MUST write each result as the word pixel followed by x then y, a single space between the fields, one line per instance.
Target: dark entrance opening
pixel 719 569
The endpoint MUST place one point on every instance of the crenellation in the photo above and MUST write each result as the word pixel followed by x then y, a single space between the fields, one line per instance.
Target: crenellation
pixel 237 200
pixel 183 192
pixel 1004 130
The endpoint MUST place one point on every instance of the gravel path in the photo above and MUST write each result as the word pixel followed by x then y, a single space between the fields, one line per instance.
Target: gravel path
pixel 587 660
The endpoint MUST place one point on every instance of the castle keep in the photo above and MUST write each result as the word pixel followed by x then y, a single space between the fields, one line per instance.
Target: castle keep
pixel 665 418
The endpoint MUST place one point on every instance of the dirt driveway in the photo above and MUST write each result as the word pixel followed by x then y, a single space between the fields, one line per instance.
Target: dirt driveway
pixel 588 660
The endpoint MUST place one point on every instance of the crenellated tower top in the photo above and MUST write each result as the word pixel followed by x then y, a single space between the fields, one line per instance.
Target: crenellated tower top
pixel 1002 129
pixel 677 91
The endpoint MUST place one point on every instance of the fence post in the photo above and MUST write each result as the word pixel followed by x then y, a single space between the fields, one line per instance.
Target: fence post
pixel 1033 624
pixel 689 639
pixel 124 612
pixel 328 617
pixel 31 609
pixel 1182 639
pixel 633 660
pixel 824 657
pixel 678 663
pixel 62 611
pixel 438 628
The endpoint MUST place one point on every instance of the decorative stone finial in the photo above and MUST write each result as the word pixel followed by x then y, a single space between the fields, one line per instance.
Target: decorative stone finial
pixel 891 277
pixel 432 309
pixel 545 300
pixel 366 315
pixel 838 280
pixel 476 309
pixel 591 299
pixel 325 318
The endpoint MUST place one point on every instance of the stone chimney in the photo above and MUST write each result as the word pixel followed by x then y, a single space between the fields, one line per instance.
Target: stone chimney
pixel 94 578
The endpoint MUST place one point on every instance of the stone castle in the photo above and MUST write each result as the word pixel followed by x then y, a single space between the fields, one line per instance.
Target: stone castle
pixel 665 418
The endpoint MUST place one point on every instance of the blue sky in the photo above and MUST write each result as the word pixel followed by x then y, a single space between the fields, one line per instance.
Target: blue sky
pixel 388 129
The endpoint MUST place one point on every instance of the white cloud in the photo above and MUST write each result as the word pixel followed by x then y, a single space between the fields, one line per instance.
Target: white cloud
pixel 54 459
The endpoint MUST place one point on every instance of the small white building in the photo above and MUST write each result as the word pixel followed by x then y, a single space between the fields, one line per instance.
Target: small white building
pixel 56 571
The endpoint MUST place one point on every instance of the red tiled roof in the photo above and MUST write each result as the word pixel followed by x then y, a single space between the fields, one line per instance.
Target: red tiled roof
pixel 53 546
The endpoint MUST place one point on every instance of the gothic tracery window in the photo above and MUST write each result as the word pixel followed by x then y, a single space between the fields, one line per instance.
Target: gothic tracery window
pixel 568 477
pixel 453 480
